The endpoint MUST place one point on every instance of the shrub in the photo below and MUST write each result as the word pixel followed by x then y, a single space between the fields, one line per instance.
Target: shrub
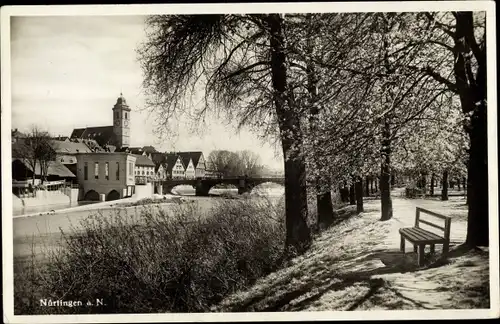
pixel 182 260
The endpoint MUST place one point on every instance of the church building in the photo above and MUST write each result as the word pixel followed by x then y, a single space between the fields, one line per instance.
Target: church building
pixel 116 136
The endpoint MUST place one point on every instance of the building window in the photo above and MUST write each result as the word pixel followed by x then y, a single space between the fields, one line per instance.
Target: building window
pixel 86 171
pixel 131 168
pixel 142 172
pixel 96 170
pixel 117 170
pixel 125 115
pixel 107 170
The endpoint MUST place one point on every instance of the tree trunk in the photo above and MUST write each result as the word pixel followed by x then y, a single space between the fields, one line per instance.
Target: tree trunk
pixel 341 194
pixel 352 195
pixel 458 184
pixel 376 184
pixel 385 173
pixel 464 185
pixel 298 233
pixel 393 180
pixel 325 208
pixel 367 187
pixel 424 183
pixel 323 187
pixel 472 90
pixel 444 186
pixel 359 195
pixel 346 193
pixel 372 180
pixel 477 191
pixel 433 181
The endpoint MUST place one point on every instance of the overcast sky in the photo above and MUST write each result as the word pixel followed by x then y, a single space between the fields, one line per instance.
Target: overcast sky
pixel 67 72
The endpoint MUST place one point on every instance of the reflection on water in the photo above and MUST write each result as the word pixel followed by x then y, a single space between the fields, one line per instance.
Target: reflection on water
pixel 48 208
pixel 270 191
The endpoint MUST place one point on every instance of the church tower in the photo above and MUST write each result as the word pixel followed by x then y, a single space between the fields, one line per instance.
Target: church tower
pixel 121 122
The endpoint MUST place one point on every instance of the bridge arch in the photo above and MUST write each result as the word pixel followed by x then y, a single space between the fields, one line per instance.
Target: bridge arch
pixel 113 195
pixel 170 188
pixel 91 195
pixel 257 185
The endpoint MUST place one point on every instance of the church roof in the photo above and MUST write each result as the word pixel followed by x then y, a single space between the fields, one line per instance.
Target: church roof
pixel 103 135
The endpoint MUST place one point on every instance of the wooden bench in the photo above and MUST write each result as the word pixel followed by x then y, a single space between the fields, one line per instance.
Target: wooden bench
pixel 421 237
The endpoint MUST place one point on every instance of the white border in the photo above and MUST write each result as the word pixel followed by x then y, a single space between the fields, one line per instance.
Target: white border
pixel 7 12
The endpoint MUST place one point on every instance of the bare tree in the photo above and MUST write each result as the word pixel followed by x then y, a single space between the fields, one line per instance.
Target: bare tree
pixel 36 150
pixel 224 162
pixel 249 163
pixel 241 61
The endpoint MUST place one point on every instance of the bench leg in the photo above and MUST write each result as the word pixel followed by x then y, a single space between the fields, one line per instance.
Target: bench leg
pixel 446 247
pixel 433 250
pixel 421 250
pixel 402 245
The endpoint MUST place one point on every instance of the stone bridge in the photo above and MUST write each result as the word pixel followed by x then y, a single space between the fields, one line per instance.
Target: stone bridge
pixel 203 185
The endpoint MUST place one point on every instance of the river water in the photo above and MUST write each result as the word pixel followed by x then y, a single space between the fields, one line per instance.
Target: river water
pixel 43 231
pixel 48 208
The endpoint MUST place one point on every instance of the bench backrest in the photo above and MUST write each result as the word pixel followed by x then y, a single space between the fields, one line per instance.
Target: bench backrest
pixel 446 219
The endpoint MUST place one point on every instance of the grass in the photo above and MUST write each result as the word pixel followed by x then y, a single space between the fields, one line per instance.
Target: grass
pixel 183 261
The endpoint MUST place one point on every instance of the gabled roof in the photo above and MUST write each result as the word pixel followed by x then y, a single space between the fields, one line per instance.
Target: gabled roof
pixel 185 156
pixel 63 147
pixel 54 168
pixel 195 156
pixel 172 159
pixel 143 161
pixel 158 166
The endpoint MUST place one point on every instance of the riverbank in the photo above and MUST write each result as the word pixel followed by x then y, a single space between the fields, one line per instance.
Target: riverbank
pixel 143 258
pixel 358 266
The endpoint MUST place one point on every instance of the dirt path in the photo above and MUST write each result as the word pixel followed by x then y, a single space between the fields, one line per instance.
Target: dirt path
pixel 357 265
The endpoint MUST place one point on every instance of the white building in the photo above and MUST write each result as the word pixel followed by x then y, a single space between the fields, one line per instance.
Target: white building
pixel 105 175
pixel 175 167
pixel 195 164
pixel 144 169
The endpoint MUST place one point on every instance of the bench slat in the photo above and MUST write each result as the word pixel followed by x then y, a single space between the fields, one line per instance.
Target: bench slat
pixel 428 234
pixel 433 213
pixel 411 235
pixel 418 235
pixel 431 224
